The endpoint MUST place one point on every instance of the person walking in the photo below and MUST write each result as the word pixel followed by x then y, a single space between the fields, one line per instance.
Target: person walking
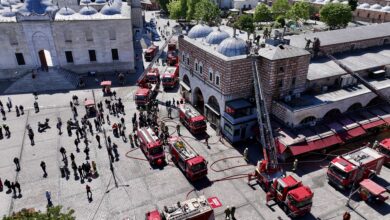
pixel 72 157
pixel 115 150
pixel 7 183
pixel 17 186
pixel 246 154
pixel 43 166
pixel 36 107
pixel 90 127
pixel 80 169
pixel 98 140
pixel 59 125
pixel 94 168
pixel 178 129
pixel 232 212
pixel 1 186
pixel 21 109
pixel 75 111
pixel 295 165
pixel 169 112
pixel 86 151
pixel 89 193
pixel 17 164
pixel 76 143
pixel 74 168
pixel 69 129
pixel 7 131
pixel 17 111
pixel 31 135
pixel 207 140
pixel 1 133
pixel 227 213
pixel 48 198
pixel 3 114
pixel 63 153
pixel 13 187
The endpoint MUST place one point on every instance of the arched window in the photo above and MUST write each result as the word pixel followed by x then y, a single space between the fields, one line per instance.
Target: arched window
pixel 188 59
pixel 211 75
pixel 183 55
pixel 196 65
pixel 217 79
pixel 201 68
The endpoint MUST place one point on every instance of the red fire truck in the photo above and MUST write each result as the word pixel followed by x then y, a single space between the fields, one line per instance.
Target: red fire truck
pixel 289 192
pixel 193 166
pixel 384 148
pixel 151 52
pixel 192 119
pixel 151 146
pixel 153 76
pixel 172 56
pixel 354 166
pixel 172 45
pixel 192 209
pixel 171 77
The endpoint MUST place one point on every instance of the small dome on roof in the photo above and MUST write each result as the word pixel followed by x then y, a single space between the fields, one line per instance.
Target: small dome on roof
pixel 88 11
pixel 216 37
pixel 376 6
pixel 110 9
pixel 5 3
pixel 364 5
pixel 386 8
pixel 100 1
pixel 232 46
pixel 85 1
pixel 51 8
pixel 7 12
pixel 199 30
pixel 66 11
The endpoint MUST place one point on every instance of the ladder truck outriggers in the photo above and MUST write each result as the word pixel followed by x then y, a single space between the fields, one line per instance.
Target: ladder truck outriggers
pixel 288 191
pixel 191 163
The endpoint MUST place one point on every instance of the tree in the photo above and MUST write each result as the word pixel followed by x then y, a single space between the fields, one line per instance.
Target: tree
pixel 191 8
pixel 300 10
pixel 281 20
pixel 51 213
pixel 207 11
pixel 245 23
pixel 280 7
pixel 353 4
pixel 336 15
pixel 163 4
pixel 174 8
pixel 262 13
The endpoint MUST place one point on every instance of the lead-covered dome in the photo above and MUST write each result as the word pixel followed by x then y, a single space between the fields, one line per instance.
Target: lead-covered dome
pixel 100 1
pixel 376 7
pixel 66 11
pixel 88 11
pixel 85 1
pixel 232 46
pixel 364 5
pixel 7 12
pixel 110 10
pixel 216 37
pixel 199 30
pixel 386 8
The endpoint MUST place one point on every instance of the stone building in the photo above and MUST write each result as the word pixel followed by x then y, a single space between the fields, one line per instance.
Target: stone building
pixel 79 37
pixel 300 90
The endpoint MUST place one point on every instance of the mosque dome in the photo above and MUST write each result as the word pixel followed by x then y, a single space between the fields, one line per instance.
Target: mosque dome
pixel 232 47
pixel 386 8
pixel 100 1
pixel 8 12
pixel 199 30
pixel 376 7
pixel 111 9
pixel 88 11
pixel 5 3
pixel 66 11
pixel 216 37
pixel 364 5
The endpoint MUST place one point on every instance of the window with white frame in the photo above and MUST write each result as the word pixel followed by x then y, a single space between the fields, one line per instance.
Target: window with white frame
pixel 217 78
pixel 201 68
pixel 211 77
pixel 196 65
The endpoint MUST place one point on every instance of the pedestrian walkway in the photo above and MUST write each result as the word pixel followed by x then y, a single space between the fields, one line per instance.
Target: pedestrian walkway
pixel 44 81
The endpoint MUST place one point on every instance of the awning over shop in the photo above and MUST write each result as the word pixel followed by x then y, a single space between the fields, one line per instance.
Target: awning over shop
pixel 281 147
pixel 212 109
pixel 185 86
pixel 315 145
pixel 354 132
pixel 387 119
pixel 373 124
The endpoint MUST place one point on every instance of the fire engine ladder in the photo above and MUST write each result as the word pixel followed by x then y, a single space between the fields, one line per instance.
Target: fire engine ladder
pixel 359 78
pixel 143 75
pixel 266 136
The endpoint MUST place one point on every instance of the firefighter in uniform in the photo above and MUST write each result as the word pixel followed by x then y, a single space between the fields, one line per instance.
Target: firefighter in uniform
pixel 295 165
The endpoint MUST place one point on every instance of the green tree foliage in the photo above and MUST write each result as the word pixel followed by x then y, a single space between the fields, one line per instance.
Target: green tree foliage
pixel 336 15
pixel 300 10
pixel 281 21
pixel 262 13
pixel 245 23
pixel 280 7
pixel 353 4
pixel 51 213
pixel 163 4
pixel 207 11
pixel 174 8
pixel 191 8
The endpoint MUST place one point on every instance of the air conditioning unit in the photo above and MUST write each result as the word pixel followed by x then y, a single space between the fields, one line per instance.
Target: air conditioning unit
pixel 346 80
pixel 324 89
pixel 287 98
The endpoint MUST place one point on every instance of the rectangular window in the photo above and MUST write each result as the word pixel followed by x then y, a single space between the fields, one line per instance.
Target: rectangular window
pixel 280 83
pixel 200 69
pixel 211 78
pixel 188 61
pixel 196 66
pixel 228 128
pixel 112 34
pixel 217 80
pixel 293 81
pixel 92 55
pixel 114 53
pixel 20 59
pixel 69 56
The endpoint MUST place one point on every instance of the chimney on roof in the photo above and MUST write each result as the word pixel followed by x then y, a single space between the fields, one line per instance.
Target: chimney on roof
pixel 234 31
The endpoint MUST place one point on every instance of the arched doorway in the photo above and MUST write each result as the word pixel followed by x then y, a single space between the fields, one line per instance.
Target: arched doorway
pixel 332 114
pixel 45 59
pixel 308 120
pixel 186 88
pixel 375 101
pixel 198 100
pixel 213 113
pixel 354 107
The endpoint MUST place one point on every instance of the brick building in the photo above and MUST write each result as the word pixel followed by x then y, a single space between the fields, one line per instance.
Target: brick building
pixel 300 90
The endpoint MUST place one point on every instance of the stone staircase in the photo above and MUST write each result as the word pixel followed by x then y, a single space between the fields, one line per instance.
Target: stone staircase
pixel 55 79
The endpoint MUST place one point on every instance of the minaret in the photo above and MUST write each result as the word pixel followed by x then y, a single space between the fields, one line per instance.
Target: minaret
pixel 136 13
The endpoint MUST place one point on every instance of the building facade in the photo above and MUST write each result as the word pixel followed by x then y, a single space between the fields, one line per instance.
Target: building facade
pixel 79 37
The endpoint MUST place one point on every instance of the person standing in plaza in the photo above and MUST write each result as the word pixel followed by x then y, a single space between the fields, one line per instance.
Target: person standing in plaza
pixel 169 112
pixel 21 109
pixel 1 133
pixel 207 140
pixel 48 198
pixel 43 166
pixel 17 111
pixel 76 143
pixel 178 129
pixel 36 107
pixel 72 157
pixel 98 140
pixel 69 129
pixel 7 131
pixel 86 151
pixel 89 193
pixel 90 127
pixel 3 113
pixel 13 187
pixel 80 169
pixel 17 186
pixel 59 125
pixel 31 135
pixel 115 150
pixel 16 161
pixel 74 112
pixel 227 213
pixel 63 153
pixel 7 183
